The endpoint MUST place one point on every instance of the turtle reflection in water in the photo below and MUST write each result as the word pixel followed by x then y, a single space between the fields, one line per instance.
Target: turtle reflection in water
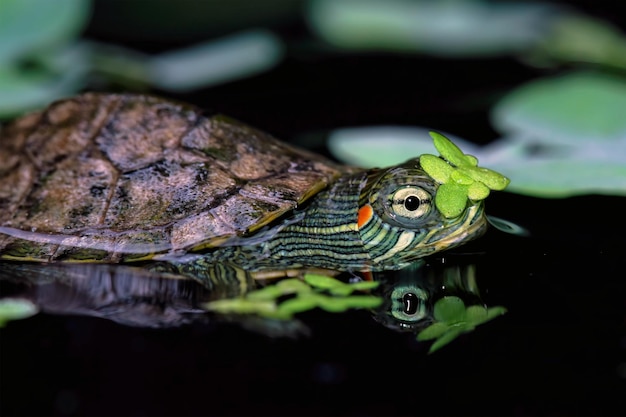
pixel 410 295
pixel 106 178
pixel 138 297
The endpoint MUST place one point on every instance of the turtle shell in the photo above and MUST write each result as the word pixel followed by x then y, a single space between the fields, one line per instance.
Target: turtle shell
pixel 117 176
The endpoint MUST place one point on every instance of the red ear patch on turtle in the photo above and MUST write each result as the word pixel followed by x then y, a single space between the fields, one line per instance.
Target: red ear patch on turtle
pixel 365 214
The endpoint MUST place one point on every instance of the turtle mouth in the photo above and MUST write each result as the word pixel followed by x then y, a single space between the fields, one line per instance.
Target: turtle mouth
pixel 447 235
pixel 470 226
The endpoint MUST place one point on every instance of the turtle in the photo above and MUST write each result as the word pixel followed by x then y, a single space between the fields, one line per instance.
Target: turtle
pixel 139 179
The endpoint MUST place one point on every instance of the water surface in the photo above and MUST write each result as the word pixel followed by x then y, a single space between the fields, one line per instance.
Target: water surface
pixel 560 348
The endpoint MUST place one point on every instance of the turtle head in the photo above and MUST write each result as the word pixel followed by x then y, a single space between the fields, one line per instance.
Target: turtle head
pixel 399 223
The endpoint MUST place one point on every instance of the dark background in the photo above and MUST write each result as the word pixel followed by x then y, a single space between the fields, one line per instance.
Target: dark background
pixel 560 350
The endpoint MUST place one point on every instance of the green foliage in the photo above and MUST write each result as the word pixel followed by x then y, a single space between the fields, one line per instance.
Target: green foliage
pixel 458 28
pixel 15 309
pixel 570 109
pixel 314 291
pixel 39 33
pixel 336 287
pixel 540 33
pixel 215 62
pixel 576 124
pixel 42 57
pixel 30 26
pixel 578 38
pixel 453 318
pixel 459 176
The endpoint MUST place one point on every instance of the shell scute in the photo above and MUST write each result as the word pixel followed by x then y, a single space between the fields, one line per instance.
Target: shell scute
pixel 65 130
pixel 141 131
pixel 163 193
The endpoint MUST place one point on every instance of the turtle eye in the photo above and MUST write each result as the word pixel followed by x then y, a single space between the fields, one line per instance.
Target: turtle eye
pixel 411 202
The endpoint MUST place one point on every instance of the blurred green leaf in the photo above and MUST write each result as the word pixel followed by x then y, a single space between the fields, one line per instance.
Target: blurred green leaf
pixel 28 26
pixel 16 309
pixel 61 73
pixel 576 38
pixel 279 289
pixel 269 293
pixel 453 28
pixel 322 281
pixel 569 176
pixel 242 306
pixel 341 304
pixel 380 146
pixel 336 287
pixel 305 295
pixel 38 32
pixel 216 61
pixel 292 285
pixel 579 107
pixel 297 305
pixel 575 123
pixel 364 285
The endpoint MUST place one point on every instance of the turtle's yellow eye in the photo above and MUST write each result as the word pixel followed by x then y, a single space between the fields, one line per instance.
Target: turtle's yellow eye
pixel 411 202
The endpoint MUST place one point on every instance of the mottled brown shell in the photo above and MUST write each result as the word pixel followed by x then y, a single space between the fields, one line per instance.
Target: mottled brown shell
pixel 101 176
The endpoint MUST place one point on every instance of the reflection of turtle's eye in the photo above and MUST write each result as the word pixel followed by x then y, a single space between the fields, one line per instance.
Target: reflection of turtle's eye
pixel 411 303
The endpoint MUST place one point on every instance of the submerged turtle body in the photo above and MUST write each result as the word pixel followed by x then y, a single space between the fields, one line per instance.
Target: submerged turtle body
pixel 123 178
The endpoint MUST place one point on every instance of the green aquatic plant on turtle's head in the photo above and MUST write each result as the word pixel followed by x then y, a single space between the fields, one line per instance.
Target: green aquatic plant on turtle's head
pixel 452 318
pixel 460 177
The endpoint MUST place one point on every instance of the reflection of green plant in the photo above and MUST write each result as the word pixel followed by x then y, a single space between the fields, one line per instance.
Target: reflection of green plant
pixel 459 176
pixel 304 295
pixel 453 318
pixel 15 309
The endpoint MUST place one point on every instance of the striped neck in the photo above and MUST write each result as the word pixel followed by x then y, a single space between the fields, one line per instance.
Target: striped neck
pixel 327 236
